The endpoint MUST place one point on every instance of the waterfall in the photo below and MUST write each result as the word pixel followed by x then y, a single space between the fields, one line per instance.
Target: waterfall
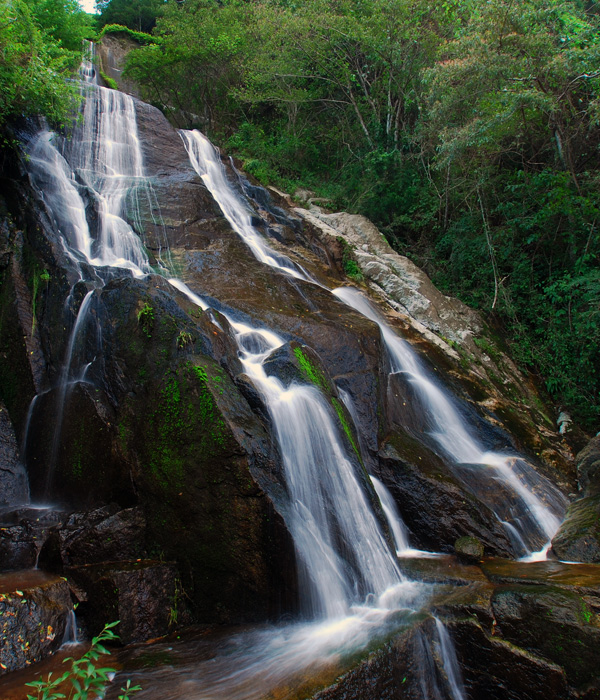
pixel 533 520
pixel 529 521
pixel 390 510
pixel 328 504
pixel 450 662
pixel 206 162
pixel 103 163
pixel 351 581
pixel 70 637
pixel 64 384
pixel 101 168
pixel 344 554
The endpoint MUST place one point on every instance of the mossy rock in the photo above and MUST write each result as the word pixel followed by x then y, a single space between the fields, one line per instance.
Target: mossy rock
pixel 578 538
pixel 469 549
pixel 558 624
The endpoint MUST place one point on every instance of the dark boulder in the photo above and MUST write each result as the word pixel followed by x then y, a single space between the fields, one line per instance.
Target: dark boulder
pixel 19 547
pixel 34 609
pixel 469 549
pixel 141 594
pixel 435 506
pixel 99 536
pixel 23 531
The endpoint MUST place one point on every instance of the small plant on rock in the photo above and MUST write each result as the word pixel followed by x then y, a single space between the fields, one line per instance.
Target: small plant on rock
pixel 145 318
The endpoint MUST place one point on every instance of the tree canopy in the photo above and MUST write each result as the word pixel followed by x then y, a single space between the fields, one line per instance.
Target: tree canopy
pixel 469 132
pixel 40 44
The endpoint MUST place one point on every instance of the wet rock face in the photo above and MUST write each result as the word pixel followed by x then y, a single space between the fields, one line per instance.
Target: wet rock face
pixel 34 607
pixel 141 594
pixel 588 467
pixel 435 506
pixel 407 668
pixel 495 669
pixel 14 487
pixel 23 531
pixel 112 52
pixel 18 547
pixel 560 625
pixel 103 535
pixel 520 632
pixel 578 538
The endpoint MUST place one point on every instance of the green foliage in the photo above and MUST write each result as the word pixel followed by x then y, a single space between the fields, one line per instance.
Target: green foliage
pixel 196 66
pixel 176 601
pixel 40 45
pixel 145 319
pixel 85 679
pixel 184 338
pixel 141 37
pixel 310 370
pixel 110 82
pixel 341 414
pixel 350 265
pixel 468 132
pixel 139 15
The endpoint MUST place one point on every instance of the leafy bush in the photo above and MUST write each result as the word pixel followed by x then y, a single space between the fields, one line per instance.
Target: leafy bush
pixel 141 37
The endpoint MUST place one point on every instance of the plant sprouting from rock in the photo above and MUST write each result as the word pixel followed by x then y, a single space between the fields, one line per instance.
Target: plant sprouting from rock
pixel 145 318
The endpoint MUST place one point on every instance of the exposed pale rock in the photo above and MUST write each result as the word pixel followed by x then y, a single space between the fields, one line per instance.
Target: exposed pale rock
pixel 407 287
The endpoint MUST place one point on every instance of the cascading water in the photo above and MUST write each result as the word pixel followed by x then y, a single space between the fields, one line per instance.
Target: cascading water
pixel 99 167
pixel 529 520
pixel 327 500
pixel 351 580
pixel 343 552
pixel 206 162
pixel 450 662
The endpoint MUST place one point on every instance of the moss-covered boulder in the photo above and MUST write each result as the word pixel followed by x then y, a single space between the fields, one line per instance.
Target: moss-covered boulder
pixel 469 549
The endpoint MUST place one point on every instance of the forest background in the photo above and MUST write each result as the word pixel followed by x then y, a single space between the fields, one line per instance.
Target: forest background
pixel 468 132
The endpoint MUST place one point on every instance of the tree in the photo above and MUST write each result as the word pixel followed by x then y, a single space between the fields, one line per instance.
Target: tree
pixel 136 14
pixel 33 66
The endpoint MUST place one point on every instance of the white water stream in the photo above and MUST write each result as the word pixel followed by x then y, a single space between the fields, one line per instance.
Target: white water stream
pixel 206 162
pixel 530 521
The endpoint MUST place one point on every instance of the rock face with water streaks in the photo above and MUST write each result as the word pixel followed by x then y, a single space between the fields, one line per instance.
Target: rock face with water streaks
pixel 14 486
pixel 579 536
pixel 519 631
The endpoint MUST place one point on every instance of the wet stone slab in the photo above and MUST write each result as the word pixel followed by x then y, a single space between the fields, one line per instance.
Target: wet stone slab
pixel 34 607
